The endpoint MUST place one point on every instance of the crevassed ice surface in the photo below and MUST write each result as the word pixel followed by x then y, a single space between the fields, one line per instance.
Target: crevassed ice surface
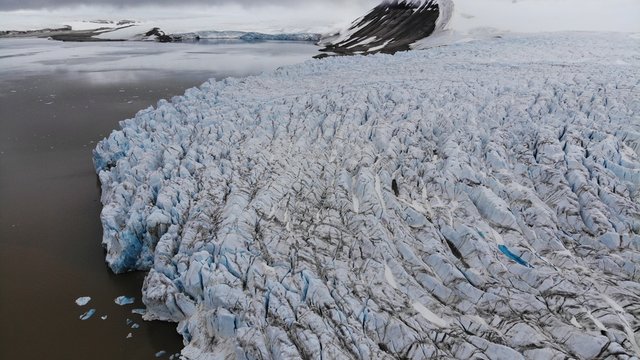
pixel 479 200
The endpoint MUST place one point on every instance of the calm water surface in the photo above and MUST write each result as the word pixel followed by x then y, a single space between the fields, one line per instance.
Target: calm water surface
pixel 56 101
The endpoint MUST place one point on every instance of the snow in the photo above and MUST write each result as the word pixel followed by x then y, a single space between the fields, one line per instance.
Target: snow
pixel 83 300
pixel 429 315
pixel 238 197
pixel 388 275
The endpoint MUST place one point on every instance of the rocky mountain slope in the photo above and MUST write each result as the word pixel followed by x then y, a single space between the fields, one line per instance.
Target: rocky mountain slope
pixel 392 26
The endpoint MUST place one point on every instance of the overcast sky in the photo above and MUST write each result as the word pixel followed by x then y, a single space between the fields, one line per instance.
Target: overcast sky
pixel 53 4
pixel 314 15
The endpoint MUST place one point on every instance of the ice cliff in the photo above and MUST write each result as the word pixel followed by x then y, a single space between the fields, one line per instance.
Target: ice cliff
pixel 480 200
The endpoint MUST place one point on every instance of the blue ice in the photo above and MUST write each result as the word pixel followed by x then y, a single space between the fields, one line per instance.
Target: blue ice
pixel 513 256
pixel 88 314
pixel 83 300
pixel 124 300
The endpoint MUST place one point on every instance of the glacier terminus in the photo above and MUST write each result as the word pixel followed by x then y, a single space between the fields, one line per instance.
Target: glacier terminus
pixel 479 200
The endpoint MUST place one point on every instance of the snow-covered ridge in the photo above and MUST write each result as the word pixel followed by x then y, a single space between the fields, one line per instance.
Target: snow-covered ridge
pixel 474 200
pixel 392 26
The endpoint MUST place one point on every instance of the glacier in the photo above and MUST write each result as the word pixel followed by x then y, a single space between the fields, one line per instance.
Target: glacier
pixel 477 200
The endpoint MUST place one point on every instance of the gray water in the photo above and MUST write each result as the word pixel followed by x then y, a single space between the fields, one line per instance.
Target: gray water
pixel 56 101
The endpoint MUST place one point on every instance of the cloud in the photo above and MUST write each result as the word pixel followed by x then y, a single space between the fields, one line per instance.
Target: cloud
pixel 55 4
pixel 548 15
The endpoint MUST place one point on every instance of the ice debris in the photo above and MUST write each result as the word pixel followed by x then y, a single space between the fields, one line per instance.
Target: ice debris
pixel 124 300
pixel 238 197
pixel 88 314
pixel 83 300
pixel 161 353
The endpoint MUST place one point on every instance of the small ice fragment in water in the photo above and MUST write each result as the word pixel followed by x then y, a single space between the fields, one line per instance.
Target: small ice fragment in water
pixel 83 300
pixel 104 317
pixel 88 314
pixel 124 300
pixel 135 326
pixel 129 335
pixel 129 322
pixel 160 353
pixel 139 311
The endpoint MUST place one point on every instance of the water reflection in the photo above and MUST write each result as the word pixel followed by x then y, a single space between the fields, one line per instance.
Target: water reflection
pixel 56 101
pixel 23 57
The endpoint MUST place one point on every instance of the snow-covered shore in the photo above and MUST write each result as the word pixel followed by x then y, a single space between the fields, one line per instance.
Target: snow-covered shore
pixel 474 200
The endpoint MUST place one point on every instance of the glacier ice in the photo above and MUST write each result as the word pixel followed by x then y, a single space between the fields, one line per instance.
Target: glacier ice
pixel 356 207
pixel 88 314
pixel 83 300
pixel 124 300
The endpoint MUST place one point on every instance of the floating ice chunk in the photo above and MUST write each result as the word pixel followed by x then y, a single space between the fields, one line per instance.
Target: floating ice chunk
pixel 87 315
pixel 135 326
pixel 129 335
pixel 160 353
pixel 124 300
pixel 139 311
pixel 104 317
pixel 83 300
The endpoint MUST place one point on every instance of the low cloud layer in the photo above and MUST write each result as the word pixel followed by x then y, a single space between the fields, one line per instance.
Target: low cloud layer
pixel 54 4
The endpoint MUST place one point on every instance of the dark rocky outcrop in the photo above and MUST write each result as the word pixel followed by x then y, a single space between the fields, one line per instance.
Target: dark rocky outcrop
pixel 390 27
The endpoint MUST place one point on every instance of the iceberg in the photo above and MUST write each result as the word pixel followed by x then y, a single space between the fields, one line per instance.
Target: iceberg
pixel 83 300
pixel 124 300
pixel 354 207
pixel 88 314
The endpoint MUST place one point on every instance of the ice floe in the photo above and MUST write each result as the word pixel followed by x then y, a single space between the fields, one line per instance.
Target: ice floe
pixel 88 314
pixel 83 300
pixel 124 300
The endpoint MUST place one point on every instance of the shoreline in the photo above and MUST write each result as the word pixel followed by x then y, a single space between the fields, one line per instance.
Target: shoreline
pixel 52 113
